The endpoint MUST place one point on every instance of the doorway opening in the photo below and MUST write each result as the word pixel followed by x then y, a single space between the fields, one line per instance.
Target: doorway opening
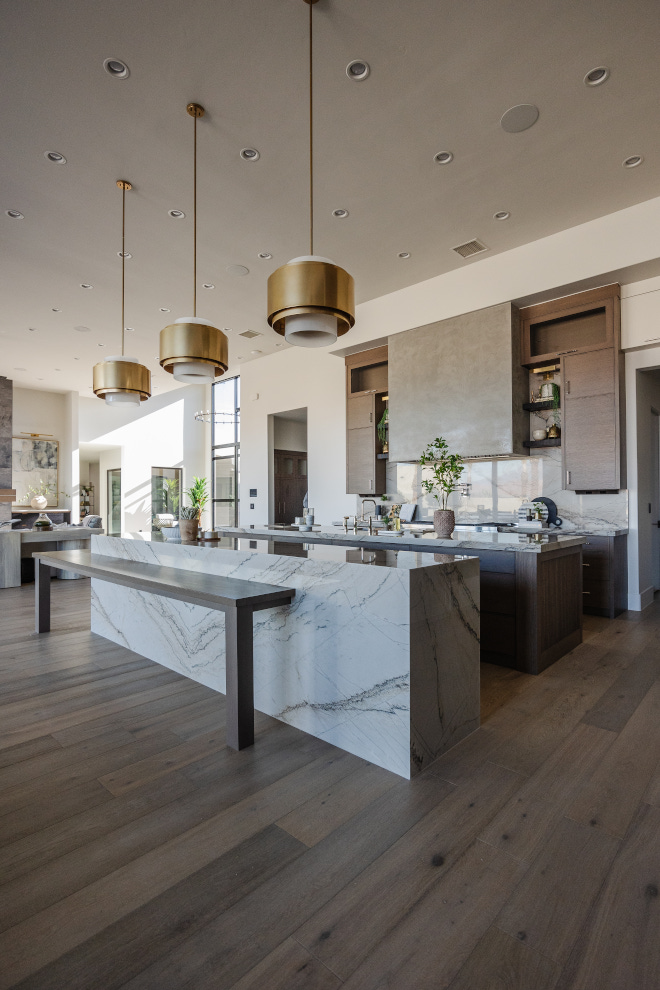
pixel 288 465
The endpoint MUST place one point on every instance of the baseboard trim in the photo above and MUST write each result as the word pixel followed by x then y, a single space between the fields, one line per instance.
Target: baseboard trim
pixel 637 603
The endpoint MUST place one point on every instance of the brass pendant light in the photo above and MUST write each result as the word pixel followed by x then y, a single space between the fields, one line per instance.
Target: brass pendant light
pixel 122 379
pixel 190 348
pixel 310 299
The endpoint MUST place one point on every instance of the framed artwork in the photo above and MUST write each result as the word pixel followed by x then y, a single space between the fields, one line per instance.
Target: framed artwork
pixel 35 463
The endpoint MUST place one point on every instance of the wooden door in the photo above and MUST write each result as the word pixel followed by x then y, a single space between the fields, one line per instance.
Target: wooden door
pixel 290 478
pixel 590 427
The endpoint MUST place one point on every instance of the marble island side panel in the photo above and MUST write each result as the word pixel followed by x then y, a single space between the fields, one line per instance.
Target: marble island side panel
pixel 381 662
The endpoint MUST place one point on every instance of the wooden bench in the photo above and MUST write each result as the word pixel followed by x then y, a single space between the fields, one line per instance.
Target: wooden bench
pixel 238 599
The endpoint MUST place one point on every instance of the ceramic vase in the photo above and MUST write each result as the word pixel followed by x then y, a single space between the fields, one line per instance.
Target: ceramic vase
pixel 444 522
pixel 188 528
pixel 39 502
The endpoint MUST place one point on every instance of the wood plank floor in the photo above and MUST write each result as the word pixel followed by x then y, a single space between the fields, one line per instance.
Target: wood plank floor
pixel 137 851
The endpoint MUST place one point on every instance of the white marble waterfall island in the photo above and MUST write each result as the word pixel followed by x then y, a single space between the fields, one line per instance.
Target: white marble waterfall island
pixel 378 653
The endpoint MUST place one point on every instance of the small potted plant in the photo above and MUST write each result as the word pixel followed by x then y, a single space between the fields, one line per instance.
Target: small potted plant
pixel 189 522
pixel 446 470
pixel 198 496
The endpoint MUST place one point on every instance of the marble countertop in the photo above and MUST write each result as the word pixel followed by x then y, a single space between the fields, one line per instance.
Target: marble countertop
pixel 460 541
pixel 403 558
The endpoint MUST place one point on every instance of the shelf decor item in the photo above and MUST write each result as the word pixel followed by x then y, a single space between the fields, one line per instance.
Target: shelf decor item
pixel 43 523
pixel 191 349
pixel 310 299
pixel 189 522
pixel 121 379
pixel 446 470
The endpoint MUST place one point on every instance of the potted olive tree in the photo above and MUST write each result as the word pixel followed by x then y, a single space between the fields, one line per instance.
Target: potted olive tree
pixel 445 470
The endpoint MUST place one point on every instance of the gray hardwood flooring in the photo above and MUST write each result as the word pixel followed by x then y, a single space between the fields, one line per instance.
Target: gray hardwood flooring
pixel 138 852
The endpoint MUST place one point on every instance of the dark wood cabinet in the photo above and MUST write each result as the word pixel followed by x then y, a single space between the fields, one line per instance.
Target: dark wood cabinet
pixel 605 575
pixel 581 333
pixel 366 400
pixel 290 475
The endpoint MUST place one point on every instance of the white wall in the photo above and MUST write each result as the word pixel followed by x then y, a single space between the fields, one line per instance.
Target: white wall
pixel 296 378
pixel 54 413
pixel 161 433
pixel 289 434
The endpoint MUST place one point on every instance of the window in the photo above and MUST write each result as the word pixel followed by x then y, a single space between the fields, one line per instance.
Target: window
pixel 114 502
pixel 225 440
pixel 165 495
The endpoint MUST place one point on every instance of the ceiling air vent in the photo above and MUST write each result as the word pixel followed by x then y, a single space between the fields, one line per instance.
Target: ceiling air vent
pixel 469 248
pixel 250 334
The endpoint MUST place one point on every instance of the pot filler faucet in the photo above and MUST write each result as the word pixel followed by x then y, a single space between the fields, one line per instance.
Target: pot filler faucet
pixel 368 500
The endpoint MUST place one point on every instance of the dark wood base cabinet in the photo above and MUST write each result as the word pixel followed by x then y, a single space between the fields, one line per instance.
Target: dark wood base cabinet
pixel 605 575
pixel 531 607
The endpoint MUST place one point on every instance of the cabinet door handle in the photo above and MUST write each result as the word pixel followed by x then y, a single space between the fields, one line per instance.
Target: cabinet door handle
pixel 586 592
pixel 371 484
pixel 568 477
pixel 371 417
pixel 586 565
pixel 568 388
pixel 572 351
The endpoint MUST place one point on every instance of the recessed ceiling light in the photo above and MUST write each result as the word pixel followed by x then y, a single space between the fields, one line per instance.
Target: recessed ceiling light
pixel 358 69
pixel 82 329
pixel 76 359
pixel 237 270
pixel 597 76
pixel 100 345
pixel 33 330
pixel 264 255
pixel 164 309
pixel 633 161
pixel 239 357
pixel 209 285
pixel 176 214
pixel 124 254
pixel 15 214
pixel 279 344
pixel 443 157
pixel 256 352
pixel 86 285
pixel 55 310
pixel 250 154
pixel 404 254
pixel 58 369
pixel 55 157
pixel 340 213
pixel 502 215
pixel 519 118
pixel 116 68
pixel 129 329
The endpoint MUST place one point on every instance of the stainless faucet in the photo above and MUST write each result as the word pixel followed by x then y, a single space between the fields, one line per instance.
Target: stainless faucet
pixel 368 500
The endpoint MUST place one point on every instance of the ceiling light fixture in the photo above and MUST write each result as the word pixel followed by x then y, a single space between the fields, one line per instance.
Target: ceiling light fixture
pixel 55 157
pixel 404 255
pixel 264 255
pixel 633 161
pixel 116 68
pixel 121 379
pixel 342 214
pixel 190 348
pixel 208 285
pixel 86 285
pixel 597 76
pixel 176 214
pixel 358 69
pixel 502 215
pixel 124 254
pixel 251 154
pixel 82 329
pixel 33 330
pixel 238 270
pixel 443 157
pixel 164 309
pixel 310 299
pixel 55 310
pixel 15 214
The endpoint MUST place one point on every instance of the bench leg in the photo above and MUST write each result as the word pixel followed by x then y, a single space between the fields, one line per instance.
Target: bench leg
pixel 42 575
pixel 240 687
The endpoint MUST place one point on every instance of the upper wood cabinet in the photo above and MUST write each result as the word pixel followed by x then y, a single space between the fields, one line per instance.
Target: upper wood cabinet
pixel 366 391
pixel 582 334
pixel 582 322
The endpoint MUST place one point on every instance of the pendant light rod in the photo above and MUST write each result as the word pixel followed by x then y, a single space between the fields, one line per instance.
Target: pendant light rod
pixel 123 184
pixel 195 111
pixel 311 130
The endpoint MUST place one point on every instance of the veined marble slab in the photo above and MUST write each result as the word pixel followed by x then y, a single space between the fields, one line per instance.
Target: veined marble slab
pixel 380 661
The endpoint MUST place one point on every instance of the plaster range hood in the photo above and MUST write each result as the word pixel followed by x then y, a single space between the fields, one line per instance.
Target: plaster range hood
pixel 460 379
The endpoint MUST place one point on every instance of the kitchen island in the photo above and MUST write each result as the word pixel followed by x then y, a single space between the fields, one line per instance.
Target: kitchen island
pixel 531 585
pixel 378 653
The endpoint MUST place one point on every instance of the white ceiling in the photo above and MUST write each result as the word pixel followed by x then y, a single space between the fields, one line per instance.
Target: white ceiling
pixel 442 74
